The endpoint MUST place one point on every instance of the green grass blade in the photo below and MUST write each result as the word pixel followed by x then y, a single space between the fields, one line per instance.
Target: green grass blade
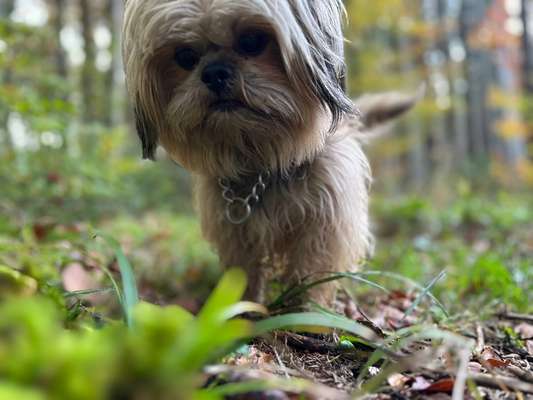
pixel 228 292
pixel 311 321
pixel 415 284
pixel 130 295
pixel 129 285
pixel 298 290
pixel 423 294
pixel 376 356
pixel 88 292
pixel 116 286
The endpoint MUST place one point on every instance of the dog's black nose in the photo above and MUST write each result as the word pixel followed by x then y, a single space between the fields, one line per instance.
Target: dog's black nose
pixel 218 76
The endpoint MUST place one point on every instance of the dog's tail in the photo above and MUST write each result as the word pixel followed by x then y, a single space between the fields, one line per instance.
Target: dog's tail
pixel 377 111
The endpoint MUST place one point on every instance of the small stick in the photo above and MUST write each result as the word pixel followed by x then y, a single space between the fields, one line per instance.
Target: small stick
pixel 282 366
pixel 516 317
pixel 496 382
pixel 520 373
pixel 480 339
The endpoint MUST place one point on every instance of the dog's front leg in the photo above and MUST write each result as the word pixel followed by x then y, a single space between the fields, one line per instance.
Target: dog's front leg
pixel 246 259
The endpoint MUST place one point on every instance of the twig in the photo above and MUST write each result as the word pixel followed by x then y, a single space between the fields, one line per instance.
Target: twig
pixel 516 317
pixel 462 375
pixel 282 366
pixel 480 344
pixel 520 373
pixel 311 344
pixel 496 382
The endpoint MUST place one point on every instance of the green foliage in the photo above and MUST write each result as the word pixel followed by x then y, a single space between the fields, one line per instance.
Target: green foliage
pixel 479 240
pixel 31 88
pixel 161 356
pixel 55 345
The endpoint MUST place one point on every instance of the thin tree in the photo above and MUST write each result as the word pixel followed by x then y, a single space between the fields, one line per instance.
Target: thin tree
pixel 526 48
pixel 57 21
pixel 6 77
pixel 89 69
pixel 6 8
pixel 112 16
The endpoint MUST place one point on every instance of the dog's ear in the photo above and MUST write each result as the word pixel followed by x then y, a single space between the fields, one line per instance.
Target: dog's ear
pixel 317 60
pixel 382 108
pixel 146 130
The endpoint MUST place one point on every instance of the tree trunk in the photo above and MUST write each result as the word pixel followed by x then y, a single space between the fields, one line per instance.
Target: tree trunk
pixel 57 20
pixel 526 47
pixel 89 70
pixel 476 64
pixel 109 80
pixel 6 8
pixel 113 17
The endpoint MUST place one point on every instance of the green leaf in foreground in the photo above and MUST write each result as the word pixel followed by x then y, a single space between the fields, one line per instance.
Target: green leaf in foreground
pixel 129 296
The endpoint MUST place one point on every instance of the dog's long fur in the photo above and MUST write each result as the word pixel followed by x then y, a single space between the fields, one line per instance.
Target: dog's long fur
pixel 296 111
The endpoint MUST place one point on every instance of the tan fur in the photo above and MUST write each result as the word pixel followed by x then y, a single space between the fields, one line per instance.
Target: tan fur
pixel 295 112
pixel 316 225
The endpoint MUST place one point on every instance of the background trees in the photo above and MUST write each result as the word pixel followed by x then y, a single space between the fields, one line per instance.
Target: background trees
pixel 474 56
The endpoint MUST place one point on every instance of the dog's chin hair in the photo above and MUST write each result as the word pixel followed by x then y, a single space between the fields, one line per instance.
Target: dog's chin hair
pixel 271 131
pixel 241 142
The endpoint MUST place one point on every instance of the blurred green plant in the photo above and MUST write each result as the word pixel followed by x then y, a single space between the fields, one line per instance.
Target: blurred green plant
pixel 480 240
pixel 161 356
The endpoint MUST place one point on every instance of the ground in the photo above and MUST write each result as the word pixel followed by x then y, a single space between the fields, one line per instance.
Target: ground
pixel 444 305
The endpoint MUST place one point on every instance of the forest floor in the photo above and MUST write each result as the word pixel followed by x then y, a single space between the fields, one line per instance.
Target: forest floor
pixel 444 309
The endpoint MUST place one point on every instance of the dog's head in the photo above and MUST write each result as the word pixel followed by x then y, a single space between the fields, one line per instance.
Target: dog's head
pixel 232 86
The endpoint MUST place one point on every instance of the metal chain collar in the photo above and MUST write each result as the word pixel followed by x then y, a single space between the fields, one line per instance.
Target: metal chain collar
pixel 239 209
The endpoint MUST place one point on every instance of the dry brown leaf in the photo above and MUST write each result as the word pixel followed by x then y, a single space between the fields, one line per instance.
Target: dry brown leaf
pixel 490 358
pixel 495 363
pixel 441 386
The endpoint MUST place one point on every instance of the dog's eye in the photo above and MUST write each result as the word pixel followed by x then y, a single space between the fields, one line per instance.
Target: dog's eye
pixel 186 58
pixel 252 43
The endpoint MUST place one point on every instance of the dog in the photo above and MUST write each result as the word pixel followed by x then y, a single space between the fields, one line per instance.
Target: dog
pixel 250 97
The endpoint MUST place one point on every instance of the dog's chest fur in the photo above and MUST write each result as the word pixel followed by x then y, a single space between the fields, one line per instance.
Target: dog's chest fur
pixel 324 215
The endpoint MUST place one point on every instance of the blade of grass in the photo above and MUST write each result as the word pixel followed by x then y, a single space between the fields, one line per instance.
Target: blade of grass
pixel 416 285
pixel 298 290
pixel 242 308
pixel 310 320
pixel 229 291
pixel 423 294
pixel 88 292
pixel 116 286
pixel 376 356
pixel 130 295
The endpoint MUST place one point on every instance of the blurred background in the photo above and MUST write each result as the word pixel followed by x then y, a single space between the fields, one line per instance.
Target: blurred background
pixel 452 183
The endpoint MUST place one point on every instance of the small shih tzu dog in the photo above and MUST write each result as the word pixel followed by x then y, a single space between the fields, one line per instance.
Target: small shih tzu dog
pixel 249 95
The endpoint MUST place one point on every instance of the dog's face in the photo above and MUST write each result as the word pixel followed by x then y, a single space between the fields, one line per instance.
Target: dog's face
pixel 234 86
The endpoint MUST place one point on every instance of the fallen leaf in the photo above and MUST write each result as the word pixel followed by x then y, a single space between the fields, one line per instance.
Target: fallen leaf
pixel 490 358
pixel 442 386
pixel 495 363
